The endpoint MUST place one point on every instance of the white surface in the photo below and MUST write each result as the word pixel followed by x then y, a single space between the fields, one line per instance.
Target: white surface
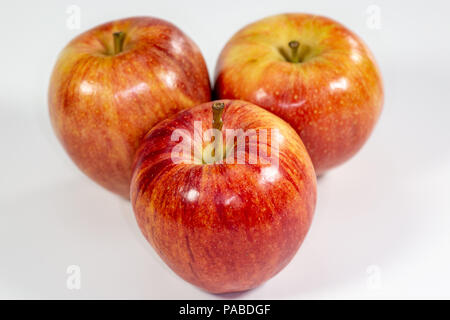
pixel 382 224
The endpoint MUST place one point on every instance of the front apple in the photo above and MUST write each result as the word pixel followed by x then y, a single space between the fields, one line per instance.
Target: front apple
pixel 312 72
pixel 229 214
pixel 113 83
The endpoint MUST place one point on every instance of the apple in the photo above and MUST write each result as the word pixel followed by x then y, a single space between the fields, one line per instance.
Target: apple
pixel 312 72
pixel 113 83
pixel 225 218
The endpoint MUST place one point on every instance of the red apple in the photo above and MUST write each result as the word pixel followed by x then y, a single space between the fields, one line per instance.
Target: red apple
pixel 312 72
pixel 113 83
pixel 232 223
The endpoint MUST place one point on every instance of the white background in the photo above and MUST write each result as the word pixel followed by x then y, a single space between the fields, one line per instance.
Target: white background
pixel 382 224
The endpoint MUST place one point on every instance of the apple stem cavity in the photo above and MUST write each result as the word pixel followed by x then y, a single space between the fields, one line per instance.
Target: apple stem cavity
pixel 297 54
pixel 119 38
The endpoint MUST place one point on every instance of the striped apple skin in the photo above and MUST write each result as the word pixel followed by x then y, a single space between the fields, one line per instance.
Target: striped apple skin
pixel 224 227
pixel 333 98
pixel 102 104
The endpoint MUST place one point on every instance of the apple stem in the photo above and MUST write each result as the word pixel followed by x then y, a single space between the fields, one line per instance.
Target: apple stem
pixel 217 124
pixel 294 50
pixel 119 38
pixel 217 108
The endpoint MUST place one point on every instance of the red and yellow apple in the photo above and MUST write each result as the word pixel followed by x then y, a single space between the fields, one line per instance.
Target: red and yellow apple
pixel 312 72
pixel 113 83
pixel 222 225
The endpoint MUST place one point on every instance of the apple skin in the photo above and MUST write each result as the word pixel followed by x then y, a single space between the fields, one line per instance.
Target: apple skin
pixel 102 104
pixel 332 99
pixel 224 227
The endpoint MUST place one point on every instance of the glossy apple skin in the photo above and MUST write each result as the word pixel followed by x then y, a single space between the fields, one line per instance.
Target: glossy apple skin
pixel 101 105
pixel 332 100
pixel 224 227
